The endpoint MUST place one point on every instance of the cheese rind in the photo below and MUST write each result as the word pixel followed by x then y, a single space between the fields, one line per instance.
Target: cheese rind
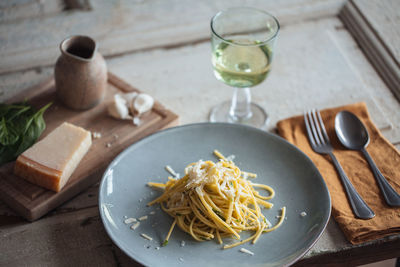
pixel 51 161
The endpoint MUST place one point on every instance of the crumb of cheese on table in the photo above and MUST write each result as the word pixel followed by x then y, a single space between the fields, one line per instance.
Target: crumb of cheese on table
pixel 96 135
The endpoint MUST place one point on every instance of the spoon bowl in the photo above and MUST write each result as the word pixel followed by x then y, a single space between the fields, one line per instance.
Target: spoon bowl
pixel 352 133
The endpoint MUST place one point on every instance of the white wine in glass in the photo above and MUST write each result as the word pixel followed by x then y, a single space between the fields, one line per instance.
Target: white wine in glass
pixel 242 43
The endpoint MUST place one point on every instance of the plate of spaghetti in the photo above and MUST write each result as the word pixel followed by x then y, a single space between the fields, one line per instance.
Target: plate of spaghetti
pixel 213 194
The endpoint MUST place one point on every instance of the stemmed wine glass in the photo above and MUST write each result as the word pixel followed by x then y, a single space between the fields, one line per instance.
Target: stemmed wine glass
pixel 242 47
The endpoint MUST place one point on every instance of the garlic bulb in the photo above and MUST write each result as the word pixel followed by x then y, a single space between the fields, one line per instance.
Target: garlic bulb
pixel 118 109
pixel 141 104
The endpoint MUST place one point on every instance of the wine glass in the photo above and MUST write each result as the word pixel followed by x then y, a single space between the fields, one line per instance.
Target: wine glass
pixel 242 46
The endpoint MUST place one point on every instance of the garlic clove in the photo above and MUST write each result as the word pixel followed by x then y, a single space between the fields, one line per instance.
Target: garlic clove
pixel 120 98
pixel 142 103
pixel 136 121
pixel 118 109
pixel 129 96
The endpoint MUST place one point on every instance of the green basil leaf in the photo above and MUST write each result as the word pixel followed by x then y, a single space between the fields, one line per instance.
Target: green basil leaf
pixel 20 127
pixel 27 140
pixel 39 121
pixel 19 112
pixel 7 110
pixel 8 134
pixel 6 154
pixel 35 127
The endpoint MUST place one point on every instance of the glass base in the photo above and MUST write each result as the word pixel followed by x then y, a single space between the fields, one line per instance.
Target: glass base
pixel 258 118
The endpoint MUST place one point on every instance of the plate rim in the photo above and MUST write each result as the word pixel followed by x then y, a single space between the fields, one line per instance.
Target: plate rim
pixel 177 128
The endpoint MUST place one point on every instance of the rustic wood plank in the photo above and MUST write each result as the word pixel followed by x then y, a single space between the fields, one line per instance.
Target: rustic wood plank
pixel 70 239
pixel 86 199
pixel 13 83
pixel 31 92
pixel 357 256
pixel 383 17
pixel 377 35
pixel 124 260
pixel 77 4
pixel 24 9
pixel 126 26
pixel 333 248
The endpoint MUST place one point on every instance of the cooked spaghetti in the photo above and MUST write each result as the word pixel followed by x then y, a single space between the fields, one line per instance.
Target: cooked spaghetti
pixel 215 200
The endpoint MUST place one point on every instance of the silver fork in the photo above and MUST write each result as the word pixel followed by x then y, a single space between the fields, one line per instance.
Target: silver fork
pixel 320 143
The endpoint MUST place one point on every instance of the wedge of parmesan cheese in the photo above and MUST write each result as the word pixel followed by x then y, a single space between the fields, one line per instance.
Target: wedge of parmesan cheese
pixel 51 161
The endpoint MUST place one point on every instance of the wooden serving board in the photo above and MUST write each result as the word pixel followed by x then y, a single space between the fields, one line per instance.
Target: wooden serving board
pixel 32 201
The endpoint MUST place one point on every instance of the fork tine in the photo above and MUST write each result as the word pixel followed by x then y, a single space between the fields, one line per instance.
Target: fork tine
pixel 319 124
pixel 323 127
pixel 309 132
pixel 313 125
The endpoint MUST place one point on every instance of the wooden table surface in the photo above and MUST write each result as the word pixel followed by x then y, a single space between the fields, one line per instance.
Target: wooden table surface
pixel 162 48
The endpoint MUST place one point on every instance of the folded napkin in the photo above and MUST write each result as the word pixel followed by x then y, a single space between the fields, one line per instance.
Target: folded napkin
pixel 386 157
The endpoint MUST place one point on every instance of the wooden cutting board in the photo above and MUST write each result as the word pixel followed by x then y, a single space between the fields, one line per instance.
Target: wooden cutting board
pixel 32 201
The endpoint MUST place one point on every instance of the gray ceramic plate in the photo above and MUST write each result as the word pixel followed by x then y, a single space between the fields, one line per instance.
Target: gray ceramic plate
pixel 297 182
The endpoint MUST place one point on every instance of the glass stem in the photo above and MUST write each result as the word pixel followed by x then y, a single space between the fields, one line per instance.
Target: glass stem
pixel 240 108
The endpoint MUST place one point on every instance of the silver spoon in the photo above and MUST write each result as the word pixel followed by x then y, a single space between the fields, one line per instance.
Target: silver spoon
pixel 353 135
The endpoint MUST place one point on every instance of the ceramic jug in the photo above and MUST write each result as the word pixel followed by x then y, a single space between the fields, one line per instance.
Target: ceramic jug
pixel 80 73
